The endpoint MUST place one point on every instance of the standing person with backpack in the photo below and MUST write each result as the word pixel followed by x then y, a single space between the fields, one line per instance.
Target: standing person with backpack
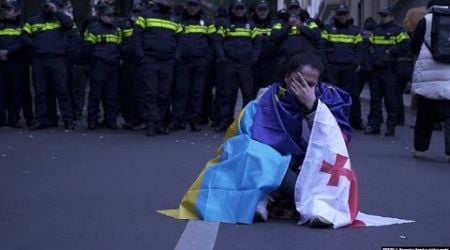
pixel 431 77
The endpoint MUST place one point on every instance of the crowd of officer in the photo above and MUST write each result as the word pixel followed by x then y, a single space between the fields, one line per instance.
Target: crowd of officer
pixel 163 69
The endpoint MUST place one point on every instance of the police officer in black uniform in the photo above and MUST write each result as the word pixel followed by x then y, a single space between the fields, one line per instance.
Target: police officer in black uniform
pixel 156 33
pixel 388 41
pixel 104 38
pixel 46 36
pixel 239 50
pixel 193 54
pixel 11 65
pixel 263 70
pixel 130 95
pixel 293 36
pixel 343 53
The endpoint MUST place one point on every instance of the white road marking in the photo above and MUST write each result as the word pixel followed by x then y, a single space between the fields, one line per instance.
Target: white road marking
pixel 198 235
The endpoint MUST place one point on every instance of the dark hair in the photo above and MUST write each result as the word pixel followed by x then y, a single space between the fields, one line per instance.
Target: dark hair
pixel 291 64
pixel 370 24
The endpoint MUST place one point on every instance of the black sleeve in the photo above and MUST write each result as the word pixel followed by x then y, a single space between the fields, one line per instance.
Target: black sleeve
pixel 66 21
pixel 418 37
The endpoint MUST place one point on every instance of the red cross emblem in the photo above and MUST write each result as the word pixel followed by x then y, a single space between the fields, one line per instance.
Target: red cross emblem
pixel 337 170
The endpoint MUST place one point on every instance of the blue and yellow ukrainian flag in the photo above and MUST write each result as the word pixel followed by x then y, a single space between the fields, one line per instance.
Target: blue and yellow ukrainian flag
pixel 231 185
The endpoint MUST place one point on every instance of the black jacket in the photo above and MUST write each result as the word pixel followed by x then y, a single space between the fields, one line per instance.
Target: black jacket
pixel 10 40
pixel 292 40
pixel 197 39
pixel 342 43
pixel 264 31
pixel 46 34
pixel 238 41
pixel 156 34
pixel 388 42
pixel 104 41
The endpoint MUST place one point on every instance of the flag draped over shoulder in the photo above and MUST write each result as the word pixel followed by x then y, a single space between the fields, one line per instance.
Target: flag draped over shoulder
pixel 256 154
pixel 327 185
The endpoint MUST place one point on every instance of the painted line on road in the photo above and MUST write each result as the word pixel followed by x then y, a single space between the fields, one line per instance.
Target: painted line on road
pixel 198 235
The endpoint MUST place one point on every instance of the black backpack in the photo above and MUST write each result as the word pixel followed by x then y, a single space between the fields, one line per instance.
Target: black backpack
pixel 440 35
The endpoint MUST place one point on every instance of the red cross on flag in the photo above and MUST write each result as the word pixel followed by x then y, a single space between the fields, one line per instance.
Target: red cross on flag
pixel 327 186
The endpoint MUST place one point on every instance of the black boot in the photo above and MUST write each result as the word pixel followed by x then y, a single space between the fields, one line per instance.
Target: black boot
pixel 372 130
pixel 195 127
pixel 151 131
pixel 390 131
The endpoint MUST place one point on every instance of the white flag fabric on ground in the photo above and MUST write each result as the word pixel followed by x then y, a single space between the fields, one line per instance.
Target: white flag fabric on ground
pixel 327 186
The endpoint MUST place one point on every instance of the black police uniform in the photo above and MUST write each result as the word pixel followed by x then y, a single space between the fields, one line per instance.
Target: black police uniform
pixel 156 40
pixel 263 71
pixel 193 55
pixel 292 40
pixel 11 72
pixel 104 40
pixel 343 53
pixel 388 41
pixel 239 49
pixel 130 96
pixel 46 36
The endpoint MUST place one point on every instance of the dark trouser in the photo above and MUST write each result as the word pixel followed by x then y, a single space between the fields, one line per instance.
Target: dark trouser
pixel 11 73
pixel 129 93
pixel 79 82
pixel 342 76
pixel 157 79
pixel 27 100
pixel 188 90
pixel 429 112
pixel 103 89
pixel 383 85
pixel 208 95
pixel 264 74
pixel 235 77
pixel 358 86
pixel 403 80
pixel 50 74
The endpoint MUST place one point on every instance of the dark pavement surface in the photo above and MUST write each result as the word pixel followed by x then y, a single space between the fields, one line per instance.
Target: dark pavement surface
pixel 99 190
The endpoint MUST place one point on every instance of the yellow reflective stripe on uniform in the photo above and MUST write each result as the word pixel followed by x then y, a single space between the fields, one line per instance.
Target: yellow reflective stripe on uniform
pixel 313 25
pixel 27 28
pixel 107 38
pixel 158 23
pixel 32 28
pixel 127 32
pixel 383 40
pixel 294 31
pixel 195 29
pixel 259 31
pixel 342 38
pixel 221 31
pixel 324 34
pixel 10 32
pixel 239 32
pixel 277 26
pixel 402 36
pixel 211 29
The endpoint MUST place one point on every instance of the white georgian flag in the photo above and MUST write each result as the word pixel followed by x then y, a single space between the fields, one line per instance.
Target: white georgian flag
pixel 327 185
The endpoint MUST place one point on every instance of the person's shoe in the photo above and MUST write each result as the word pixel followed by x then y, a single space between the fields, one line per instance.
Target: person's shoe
pixel 372 130
pixel 214 124
pixel 92 126
pixel 52 124
pixel 29 123
pixel 418 154
pixel 358 126
pixel 176 126
pixel 112 126
pixel 437 126
pixel 195 127
pixel 222 127
pixel 320 222
pixel 151 131
pixel 15 125
pixel 128 126
pixel 38 126
pixel 69 125
pixel 261 213
pixel 390 132
pixel 162 130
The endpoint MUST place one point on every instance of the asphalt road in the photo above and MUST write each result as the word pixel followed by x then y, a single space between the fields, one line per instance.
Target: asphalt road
pixel 99 190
